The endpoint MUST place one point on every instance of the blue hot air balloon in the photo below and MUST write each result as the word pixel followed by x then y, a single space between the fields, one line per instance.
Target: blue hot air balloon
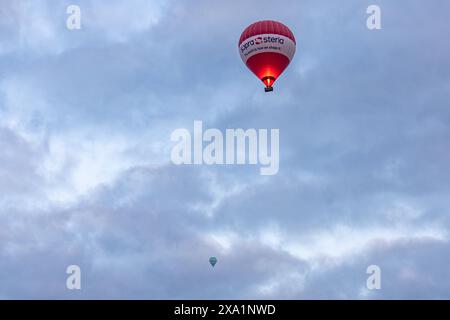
pixel 213 261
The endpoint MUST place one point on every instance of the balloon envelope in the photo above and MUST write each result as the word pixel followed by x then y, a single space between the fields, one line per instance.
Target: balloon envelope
pixel 267 47
pixel 213 261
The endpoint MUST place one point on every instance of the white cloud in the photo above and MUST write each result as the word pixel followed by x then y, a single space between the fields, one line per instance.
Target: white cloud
pixel 40 25
pixel 343 241
pixel 118 20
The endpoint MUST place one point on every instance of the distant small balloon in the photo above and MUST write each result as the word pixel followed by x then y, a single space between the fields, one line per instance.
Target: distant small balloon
pixel 213 261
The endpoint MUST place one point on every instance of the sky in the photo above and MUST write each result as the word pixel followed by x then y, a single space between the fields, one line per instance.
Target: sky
pixel 86 176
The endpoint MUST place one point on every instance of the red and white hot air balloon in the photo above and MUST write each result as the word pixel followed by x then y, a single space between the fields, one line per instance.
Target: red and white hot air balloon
pixel 267 47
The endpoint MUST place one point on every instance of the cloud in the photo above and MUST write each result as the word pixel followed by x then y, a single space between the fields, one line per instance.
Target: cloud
pixel 40 25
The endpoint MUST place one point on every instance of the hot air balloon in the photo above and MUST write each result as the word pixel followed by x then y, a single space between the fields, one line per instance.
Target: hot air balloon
pixel 213 261
pixel 267 47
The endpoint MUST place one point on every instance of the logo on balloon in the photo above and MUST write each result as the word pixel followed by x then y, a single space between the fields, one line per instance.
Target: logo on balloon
pixel 258 40
pixel 261 40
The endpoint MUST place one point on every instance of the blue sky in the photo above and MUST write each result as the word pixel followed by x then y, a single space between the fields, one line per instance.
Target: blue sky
pixel 86 177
